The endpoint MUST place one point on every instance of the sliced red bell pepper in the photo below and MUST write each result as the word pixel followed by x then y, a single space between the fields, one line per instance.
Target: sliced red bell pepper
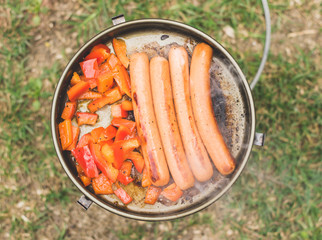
pixel 86 118
pixel 90 95
pixel 117 122
pixel 86 180
pixel 122 133
pixel 75 131
pixel 113 61
pixel 75 91
pixel 122 78
pixel 100 54
pixel 96 133
pixel 102 185
pixel 120 50
pixel 90 68
pixel 126 168
pixel 118 112
pixel 172 192
pixel 110 97
pixel 85 140
pixel 65 133
pixel 123 196
pixel 137 160
pixel 69 110
pixel 127 105
pixel 125 180
pixel 152 195
pixel 104 80
pixel 118 154
pixel 85 159
pixel 146 179
pixel 108 133
pixel 102 163
pixel 108 153
pixel 75 79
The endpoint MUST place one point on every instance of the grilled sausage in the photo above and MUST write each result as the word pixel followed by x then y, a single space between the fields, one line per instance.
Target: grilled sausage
pixel 167 123
pixel 195 151
pixel 145 118
pixel 203 111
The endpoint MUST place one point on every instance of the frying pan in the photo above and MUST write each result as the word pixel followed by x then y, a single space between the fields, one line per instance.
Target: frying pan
pixel 232 102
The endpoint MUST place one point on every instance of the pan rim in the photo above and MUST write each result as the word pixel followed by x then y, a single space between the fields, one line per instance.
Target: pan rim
pixel 121 212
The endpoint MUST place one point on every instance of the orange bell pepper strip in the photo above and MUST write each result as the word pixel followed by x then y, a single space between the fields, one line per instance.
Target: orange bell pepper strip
pixel 113 61
pixel 104 80
pixel 98 53
pixel 90 68
pixel 75 131
pixel 86 118
pixel 90 95
pixel 118 112
pixel 137 160
pixel 152 195
pixel 122 133
pixel 108 133
pixel 113 94
pixel 85 140
pixel 108 152
pixel 126 168
pixel 85 159
pixel 110 97
pixel 86 180
pixel 146 179
pixel 120 50
pixel 129 145
pixel 127 105
pixel 109 142
pixel 122 78
pixel 69 110
pixel 101 46
pixel 96 133
pixel 102 185
pixel 75 91
pixel 75 79
pixel 102 163
pixel 91 81
pixel 117 122
pixel 65 133
pixel 118 154
pixel 172 192
pixel 123 196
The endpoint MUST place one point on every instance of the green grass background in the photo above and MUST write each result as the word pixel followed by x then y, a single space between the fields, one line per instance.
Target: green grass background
pixel 278 196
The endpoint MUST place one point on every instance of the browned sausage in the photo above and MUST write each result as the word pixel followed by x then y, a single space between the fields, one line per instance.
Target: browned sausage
pixel 203 111
pixel 167 123
pixel 194 148
pixel 145 118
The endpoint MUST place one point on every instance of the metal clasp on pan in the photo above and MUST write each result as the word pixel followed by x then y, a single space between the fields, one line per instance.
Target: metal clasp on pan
pixel 85 202
pixel 118 19
pixel 259 139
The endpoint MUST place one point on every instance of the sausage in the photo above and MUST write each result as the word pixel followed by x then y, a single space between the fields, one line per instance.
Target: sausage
pixel 203 111
pixel 195 151
pixel 167 123
pixel 147 128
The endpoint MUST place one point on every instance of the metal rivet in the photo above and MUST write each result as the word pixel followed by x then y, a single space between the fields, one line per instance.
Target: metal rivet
pixel 118 19
pixel 259 139
pixel 85 202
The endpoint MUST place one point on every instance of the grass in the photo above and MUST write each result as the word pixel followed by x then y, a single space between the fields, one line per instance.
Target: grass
pixel 277 196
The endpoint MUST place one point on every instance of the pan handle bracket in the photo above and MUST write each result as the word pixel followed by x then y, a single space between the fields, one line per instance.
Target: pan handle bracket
pixel 259 139
pixel 84 202
pixel 118 19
